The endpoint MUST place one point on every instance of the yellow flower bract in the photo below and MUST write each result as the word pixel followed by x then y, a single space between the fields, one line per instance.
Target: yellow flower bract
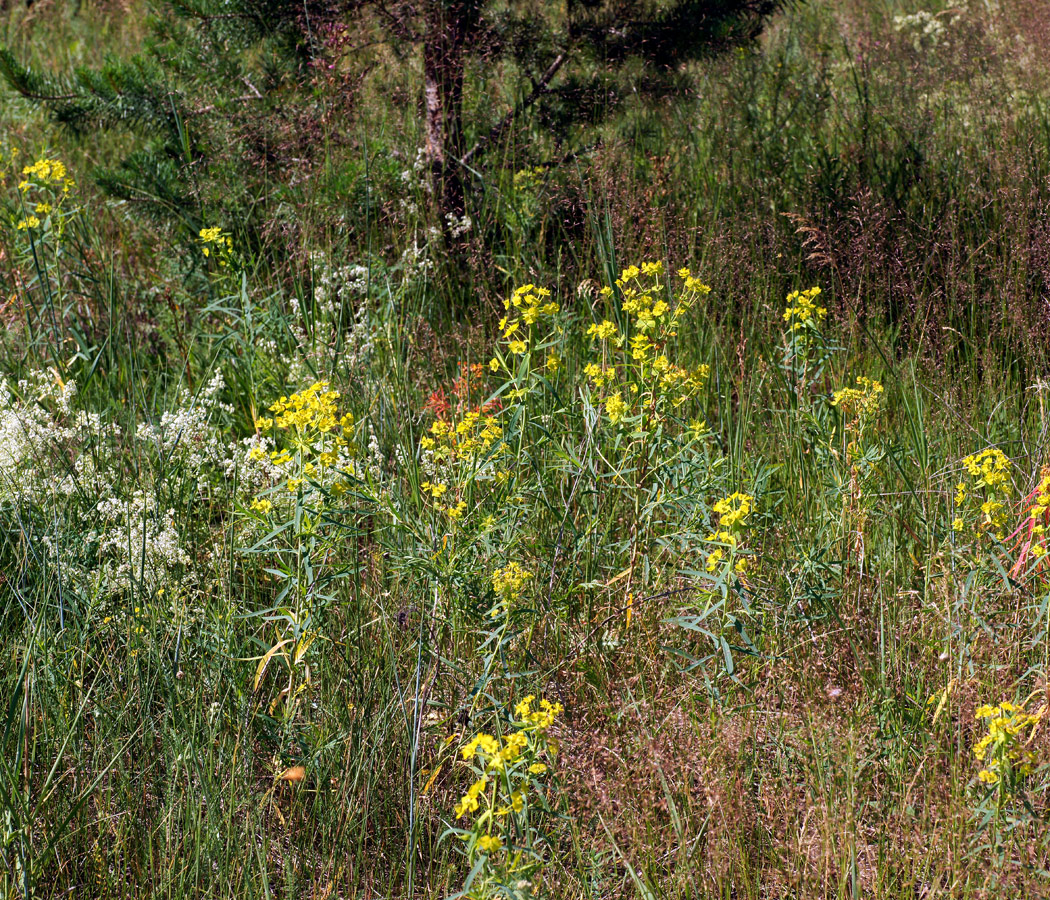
pixel 1003 749
pixel 636 366
pixel 982 494
pixel 733 512
pixel 803 310
pixel 525 307
pixel 509 581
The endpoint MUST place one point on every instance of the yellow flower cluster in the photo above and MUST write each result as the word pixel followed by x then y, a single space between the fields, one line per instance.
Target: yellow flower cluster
pixel 859 406
pixel 692 284
pixel 509 752
pixel 678 383
pixel 616 407
pixel 509 582
pixel 45 175
pixel 454 443
pixel 313 407
pixel 1042 496
pixel 527 178
pixel 980 494
pixel 652 322
pixel 990 468
pixel 641 300
pixel 489 843
pixel 473 435
pixel 1003 749
pixel 9 160
pixel 450 444
pixel 861 402
pixel 733 512
pixel 1037 515
pixel 541 718
pixel 219 240
pixel 604 331
pixel 470 801
pixel 320 434
pixel 525 307
pixel 507 766
pixel 51 172
pixel 802 311
pixel 641 306
pixel 455 511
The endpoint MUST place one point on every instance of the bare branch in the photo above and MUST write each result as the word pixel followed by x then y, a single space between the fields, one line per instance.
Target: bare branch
pixel 538 89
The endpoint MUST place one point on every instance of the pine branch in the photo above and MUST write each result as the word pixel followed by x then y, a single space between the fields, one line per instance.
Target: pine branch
pixel 31 85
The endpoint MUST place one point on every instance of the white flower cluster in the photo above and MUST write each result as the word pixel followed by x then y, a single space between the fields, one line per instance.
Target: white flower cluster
pixel 341 298
pixel 252 464
pixel 926 29
pixel 58 458
pixel 376 469
pixel 109 542
pixel 40 436
pixel 333 287
pixel 457 227
pixel 360 338
pixel 416 262
pixel 139 545
pixel 415 182
pixel 186 435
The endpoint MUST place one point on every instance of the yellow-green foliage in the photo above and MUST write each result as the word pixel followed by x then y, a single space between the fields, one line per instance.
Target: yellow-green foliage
pixel 983 493
pixel 506 806
pixel 634 373
pixel 733 512
pixel 1004 749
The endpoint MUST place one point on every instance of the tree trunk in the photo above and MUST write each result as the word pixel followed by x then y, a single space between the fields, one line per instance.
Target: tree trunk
pixel 448 27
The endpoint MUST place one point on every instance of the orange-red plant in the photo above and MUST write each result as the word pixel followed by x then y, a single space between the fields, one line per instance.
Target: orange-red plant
pixel 1032 530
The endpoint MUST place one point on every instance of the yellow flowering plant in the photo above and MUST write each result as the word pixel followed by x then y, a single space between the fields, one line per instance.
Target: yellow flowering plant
pixel 981 512
pixel 8 159
pixel 217 244
pixel 508 583
pixel 982 495
pixel 722 612
pixel 456 455
pixel 315 443
pixel 634 376
pixel 804 314
pixel 1004 750
pixel 307 447
pixel 727 539
pixel 636 386
pixel 44 192
pixel 499 817
pixel 528 330
pixel 497 634
pixel 859 405
pixel 860 408
pixel 806 349
pixel 650 451
pixel 525 190
pixel 1007 756
pixel 465 474
pixel 46 210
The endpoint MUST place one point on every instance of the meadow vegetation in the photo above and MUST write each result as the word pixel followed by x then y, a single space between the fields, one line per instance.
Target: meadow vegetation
pixel 672 524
